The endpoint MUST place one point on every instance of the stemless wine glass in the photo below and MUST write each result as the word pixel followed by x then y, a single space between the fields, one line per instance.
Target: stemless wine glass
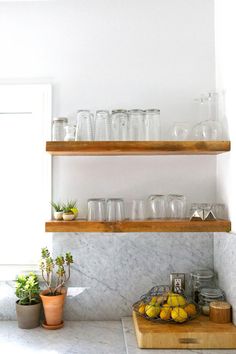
pixel 115 209
pixel 96 209
pixel 136 125
pixel 208 130
pixel 156 207
pixel 84 127
pixel 120 125
pixel 176 206
pixel 152 124
pixel 180 131
pixel 138 209
pixel 102 126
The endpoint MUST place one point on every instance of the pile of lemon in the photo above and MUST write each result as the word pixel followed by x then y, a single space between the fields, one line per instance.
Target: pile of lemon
pixel 173 306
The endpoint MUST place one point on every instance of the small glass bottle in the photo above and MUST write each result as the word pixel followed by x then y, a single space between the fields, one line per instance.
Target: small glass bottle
pixel 58 128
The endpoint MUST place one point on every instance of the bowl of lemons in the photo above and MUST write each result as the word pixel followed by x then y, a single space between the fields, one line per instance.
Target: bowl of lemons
pixel 160 304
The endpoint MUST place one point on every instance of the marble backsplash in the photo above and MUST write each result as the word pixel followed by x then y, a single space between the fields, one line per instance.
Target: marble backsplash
pixel 225 266
pixel 113 270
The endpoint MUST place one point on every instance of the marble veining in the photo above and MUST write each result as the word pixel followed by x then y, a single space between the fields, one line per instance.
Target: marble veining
pixel 225 265
pixel 116 269
pixel 132 348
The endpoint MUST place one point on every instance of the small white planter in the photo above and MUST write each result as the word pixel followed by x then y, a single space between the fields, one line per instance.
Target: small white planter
pixel 68 216
pixel 58 215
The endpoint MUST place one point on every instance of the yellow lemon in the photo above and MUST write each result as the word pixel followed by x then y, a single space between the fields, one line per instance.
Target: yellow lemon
pixel 165 314
pixel 166 305
pixel 191 309
pixel 176 300
pixel 152 311
pixel 179 315
pixel 141 309
pixel 153 300
pixel 74 211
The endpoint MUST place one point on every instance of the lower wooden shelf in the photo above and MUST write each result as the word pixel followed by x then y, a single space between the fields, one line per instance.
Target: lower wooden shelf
pixel 200 333
pixel 164 225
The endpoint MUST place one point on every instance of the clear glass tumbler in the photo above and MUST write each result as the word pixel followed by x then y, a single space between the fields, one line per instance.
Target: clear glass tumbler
pixel 208 130
pixel 58 128
pixel 120 125
pixel 136 125
pixel 152 124
pixel 138 209
pixel 176 206
pixel 156 207
pixel 102 130
pixel 180 131
pixel 84 127
pixel 115 209
pixel 96 209
pixel 219 211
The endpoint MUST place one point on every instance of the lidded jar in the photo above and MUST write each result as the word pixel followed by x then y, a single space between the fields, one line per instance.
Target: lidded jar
pixel 58 128
pixel 207 295
pixel 203 278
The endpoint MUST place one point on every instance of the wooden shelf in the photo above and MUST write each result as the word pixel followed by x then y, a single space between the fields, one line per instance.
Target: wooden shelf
pixel 103 148
pixel 164 225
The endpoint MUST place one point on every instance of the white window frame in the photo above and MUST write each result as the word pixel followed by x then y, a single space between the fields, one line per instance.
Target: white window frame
pixel 44 92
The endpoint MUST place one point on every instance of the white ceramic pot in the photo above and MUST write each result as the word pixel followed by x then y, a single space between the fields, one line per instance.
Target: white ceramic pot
pixel 58 215
pixel 68 216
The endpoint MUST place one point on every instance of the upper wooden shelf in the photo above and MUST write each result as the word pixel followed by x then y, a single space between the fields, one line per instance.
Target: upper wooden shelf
pixel 161 225
pixel 103 148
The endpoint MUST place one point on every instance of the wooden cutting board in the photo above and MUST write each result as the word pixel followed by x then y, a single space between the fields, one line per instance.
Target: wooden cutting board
pixel 200 333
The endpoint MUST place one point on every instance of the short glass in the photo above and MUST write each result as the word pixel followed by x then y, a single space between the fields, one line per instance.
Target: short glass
pixel 176 205
pixel 96 209
pixel 84 127
pixel 180 131
pixel 208 130
pixel 156 207
pixel 219 211
pixel 115 209
pixel 138 209
pixel 102 130
pixel 136 125
pixel 152 124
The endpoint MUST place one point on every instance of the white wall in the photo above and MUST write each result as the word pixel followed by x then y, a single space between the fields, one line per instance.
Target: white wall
pixel 117 54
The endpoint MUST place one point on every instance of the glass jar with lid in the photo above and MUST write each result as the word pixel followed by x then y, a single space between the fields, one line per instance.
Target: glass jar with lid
pixel 152 124
pixel 58 128
pixel 207 295
pixel 120 125
pixel 136 125
pixel 199 279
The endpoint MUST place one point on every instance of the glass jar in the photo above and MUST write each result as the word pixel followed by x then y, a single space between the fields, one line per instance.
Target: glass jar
pixel 199 279
pixel 136 125
pixel 58 128
pixel 152 124
pixel 70 133
pixel 208 295
pixel 120 125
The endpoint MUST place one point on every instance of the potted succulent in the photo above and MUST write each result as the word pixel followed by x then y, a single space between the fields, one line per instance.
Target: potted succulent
pixel 53 298
pixel 28 304
pixel 58 210
pixel 70 210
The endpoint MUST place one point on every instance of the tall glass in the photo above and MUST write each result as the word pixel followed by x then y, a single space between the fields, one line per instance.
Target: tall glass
pixel 176 206
pixel 120 125
pixel 96 209
pixel 84 127
pixel 102 126
pixel 156 207
pixel 152 124
pixel 115 209
pixel 136 125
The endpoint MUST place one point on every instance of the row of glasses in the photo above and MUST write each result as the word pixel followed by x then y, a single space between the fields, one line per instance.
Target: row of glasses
pixel 154 207
pixel 207 211
pixel 120 125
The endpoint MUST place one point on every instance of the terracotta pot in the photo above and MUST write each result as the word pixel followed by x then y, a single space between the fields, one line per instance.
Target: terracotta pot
pixel 53 307
pixel 28 316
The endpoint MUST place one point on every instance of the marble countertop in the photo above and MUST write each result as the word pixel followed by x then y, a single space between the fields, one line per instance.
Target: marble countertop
pixel 84 337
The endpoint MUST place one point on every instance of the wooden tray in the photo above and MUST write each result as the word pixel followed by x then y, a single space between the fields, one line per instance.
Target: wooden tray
pixel 200 333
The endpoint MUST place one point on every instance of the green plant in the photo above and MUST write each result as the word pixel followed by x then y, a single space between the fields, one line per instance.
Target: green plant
pixel 27 289
pixel 62 272
pixel 57 206
pixel 70 207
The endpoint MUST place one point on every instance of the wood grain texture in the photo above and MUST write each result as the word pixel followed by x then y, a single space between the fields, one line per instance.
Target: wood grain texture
pixel 200 333
pixel 220 312
pixel 103 148
pixel 164 225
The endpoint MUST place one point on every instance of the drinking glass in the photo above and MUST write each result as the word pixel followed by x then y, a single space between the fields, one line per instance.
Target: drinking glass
pixel 138 209
pixel 115 209
pixel 219 211
pixel 152 124
pixel 176 206
pixel 96 209
pixel 102 126
pixel 70 133
pixel 156 207
pixel 120 125
pixel 84 127
pixel 180 131
pixel 136 125
pixel 208 130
